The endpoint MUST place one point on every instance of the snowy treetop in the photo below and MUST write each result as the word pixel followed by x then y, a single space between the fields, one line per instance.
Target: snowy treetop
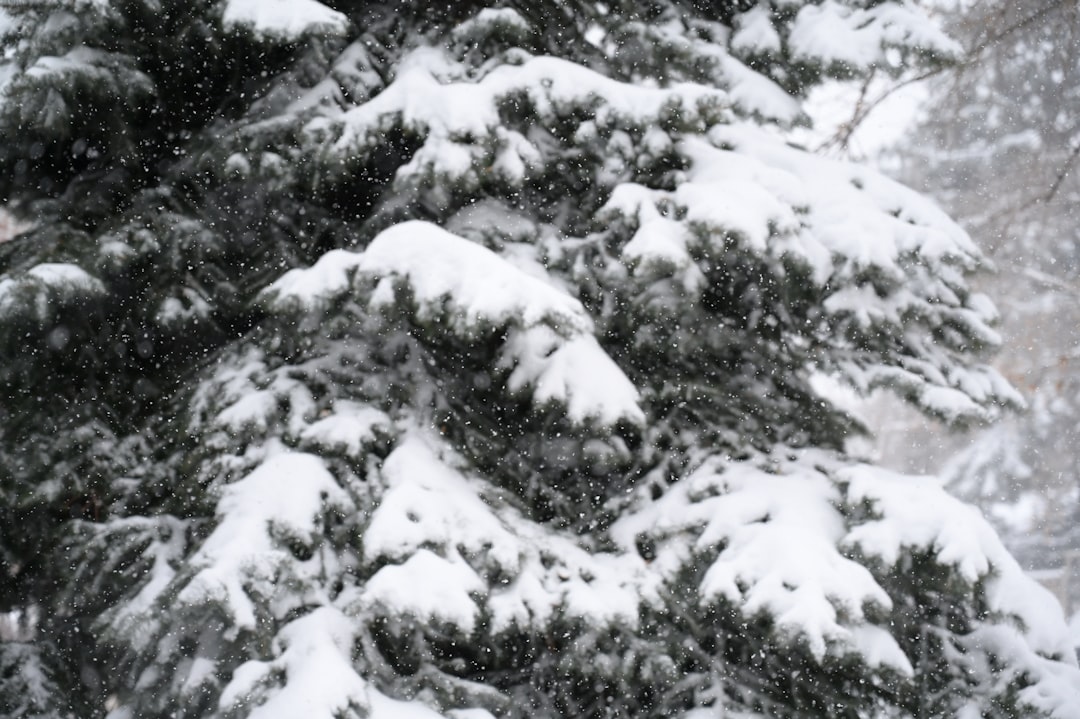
pixel 287 20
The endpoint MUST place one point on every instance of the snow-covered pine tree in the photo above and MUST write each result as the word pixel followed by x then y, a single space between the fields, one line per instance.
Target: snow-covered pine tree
pixel 397 360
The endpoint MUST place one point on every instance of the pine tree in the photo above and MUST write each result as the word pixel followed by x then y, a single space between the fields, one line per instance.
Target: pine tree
pixel 400 360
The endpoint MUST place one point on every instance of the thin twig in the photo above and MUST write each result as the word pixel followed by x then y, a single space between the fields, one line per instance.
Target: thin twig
pixel 1060 179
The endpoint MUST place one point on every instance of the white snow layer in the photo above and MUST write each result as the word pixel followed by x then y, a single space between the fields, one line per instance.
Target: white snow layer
pixel 281 502
pixel 847 225
pixel 467 284
pixel 754 32
pixel 780 534
pixel 350 426
pixel 40 289
pixel 428 587
pixel 785 535
pixel 286 20
pixel 432 97
pixel 917 513
pixel 251 396
pixel 575 372
pixel 490 18
pixel 835 33
pixel 839 219
pixel 448 280
pixel 313 676
pixel 446 537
